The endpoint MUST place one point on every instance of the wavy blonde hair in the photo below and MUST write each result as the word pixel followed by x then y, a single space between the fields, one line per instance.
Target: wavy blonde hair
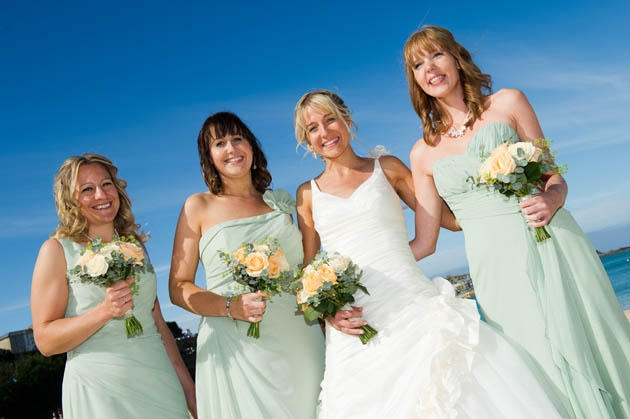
pixel 476 85
pixel 72 223
pixel 326 101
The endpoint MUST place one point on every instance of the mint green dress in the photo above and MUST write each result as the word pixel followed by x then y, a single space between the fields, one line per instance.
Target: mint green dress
pixel 278 375
pixel 112 376
pixel 553 298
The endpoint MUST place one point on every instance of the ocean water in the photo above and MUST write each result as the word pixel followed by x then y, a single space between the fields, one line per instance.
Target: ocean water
pixel 618 269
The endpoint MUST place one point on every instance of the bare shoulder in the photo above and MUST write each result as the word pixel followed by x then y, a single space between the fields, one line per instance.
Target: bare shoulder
pixel 50 261
pixel 198 202
pixel 392 163
pixel 421 157
pixel 51 248
pixel 508 97
pixel 303 193
pixel 393 167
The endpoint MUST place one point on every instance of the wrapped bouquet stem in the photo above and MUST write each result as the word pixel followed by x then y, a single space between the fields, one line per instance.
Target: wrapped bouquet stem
pixel 516 168
pixel 102 264
pixel 327 285
pixel 259 266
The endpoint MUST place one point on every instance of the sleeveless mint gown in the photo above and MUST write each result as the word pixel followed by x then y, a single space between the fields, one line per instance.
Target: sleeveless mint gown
pixel 278 375
pixel 553 298
pixel 112 376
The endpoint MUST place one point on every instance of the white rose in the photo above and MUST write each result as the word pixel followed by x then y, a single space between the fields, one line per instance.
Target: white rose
pixel 85 257
pixel 97 266
pixel 338 263
pixel 261 248
pixel 528 149
pixel 108 249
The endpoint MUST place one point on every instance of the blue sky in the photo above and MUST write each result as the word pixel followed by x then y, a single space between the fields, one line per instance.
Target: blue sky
pixel 135 80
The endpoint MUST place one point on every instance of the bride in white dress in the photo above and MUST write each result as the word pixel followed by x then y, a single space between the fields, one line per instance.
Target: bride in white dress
pixel 432 357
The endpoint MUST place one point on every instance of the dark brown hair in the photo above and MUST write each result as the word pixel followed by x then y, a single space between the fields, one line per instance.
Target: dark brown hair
pixel 476 85
pixel 220 125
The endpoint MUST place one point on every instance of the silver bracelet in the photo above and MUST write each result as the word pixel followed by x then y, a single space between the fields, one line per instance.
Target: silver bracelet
pixel 227 308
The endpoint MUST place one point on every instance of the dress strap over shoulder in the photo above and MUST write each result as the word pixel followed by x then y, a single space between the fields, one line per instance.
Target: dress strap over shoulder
pixel 280 200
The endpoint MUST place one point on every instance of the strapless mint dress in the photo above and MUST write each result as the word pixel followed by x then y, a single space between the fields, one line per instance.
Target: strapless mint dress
pixel 553 298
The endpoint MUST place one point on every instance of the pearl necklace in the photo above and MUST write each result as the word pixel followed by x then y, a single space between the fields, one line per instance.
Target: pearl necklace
pixel 456 133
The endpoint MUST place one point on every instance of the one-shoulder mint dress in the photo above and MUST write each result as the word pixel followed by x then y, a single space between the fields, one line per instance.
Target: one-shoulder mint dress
pixel 278 375
pixel 553 298
pixel 112 376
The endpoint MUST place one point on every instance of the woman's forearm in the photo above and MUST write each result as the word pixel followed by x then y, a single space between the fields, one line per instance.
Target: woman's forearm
pixel 189 296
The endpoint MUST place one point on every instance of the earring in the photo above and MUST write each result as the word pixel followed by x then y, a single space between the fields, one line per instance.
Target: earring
pixel 254 167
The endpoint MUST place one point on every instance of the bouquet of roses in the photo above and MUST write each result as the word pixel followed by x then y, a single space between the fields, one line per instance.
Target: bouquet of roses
pixel 517 168
pixel 260 266
pixel 102 264
pixel 326 285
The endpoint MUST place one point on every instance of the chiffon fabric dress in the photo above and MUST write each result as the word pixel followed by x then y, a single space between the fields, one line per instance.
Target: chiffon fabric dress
pixel 110 375
pixel 552 298
pixel 432 357
pixel 276 376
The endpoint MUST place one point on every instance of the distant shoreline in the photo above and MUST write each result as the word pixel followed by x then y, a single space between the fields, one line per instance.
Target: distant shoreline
pixel 612 252
pixel 464 286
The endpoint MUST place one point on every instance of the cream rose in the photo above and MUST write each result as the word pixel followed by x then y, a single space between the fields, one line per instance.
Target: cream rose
pixel 85 258
pixel 130 250
pixel 108 249
pixel 528 150
pixel 261 248
pixel 97 265
pixel 338 263
pixel 327 273
pixel 255 263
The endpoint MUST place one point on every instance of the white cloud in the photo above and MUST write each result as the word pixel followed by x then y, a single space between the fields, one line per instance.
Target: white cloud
pixel 16 306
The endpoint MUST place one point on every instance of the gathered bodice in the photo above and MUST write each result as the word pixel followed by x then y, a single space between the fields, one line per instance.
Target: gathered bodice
pixel 455 177
pixel 369 227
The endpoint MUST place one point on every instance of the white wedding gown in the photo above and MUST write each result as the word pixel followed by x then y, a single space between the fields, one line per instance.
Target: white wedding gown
pixel 432 357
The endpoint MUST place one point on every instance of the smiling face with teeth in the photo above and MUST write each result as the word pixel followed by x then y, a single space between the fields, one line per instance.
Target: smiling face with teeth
pixel 232 155
pixel 328 134
pixel 97 195
pixel 436 72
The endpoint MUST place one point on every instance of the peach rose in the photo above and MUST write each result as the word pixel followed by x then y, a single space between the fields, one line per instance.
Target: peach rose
pixel 498 163
pixel 327 273
pixel 273 268
pixel 85 258
pixel 311 281
pixel 97 265
pixel 239 255
pixel 130 250
pixel 255 263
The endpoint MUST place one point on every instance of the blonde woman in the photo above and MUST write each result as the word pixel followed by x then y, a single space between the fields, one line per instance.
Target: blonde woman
pixel 553 299
pixel 432 358
pixel 107 375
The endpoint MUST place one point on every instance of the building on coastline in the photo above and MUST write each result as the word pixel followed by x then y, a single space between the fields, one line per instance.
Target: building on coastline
pixel 18 342
pixel 463 285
